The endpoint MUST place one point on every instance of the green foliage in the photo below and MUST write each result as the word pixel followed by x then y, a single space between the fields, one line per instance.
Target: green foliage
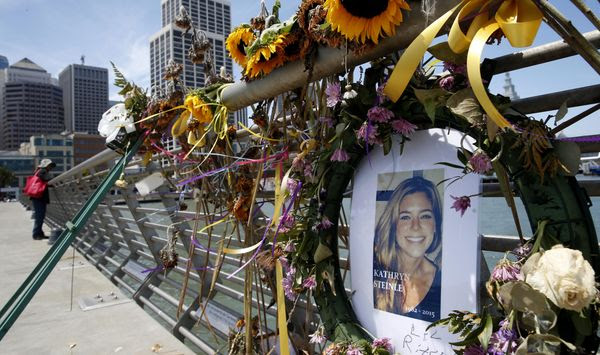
pixel 443 52
pixel 6 177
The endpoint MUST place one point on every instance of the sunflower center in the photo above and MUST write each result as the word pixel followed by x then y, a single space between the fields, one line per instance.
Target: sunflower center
pixel 364 8
pixel 241 47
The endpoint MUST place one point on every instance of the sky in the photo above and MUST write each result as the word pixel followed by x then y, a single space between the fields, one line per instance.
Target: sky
pixel 55 33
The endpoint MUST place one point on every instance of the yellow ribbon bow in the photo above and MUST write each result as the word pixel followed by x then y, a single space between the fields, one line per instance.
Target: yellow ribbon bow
pixel 519 20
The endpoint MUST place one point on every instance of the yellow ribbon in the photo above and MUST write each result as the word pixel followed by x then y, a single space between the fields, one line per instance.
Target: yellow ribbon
pixel 518 19
pixel 281 313
pixel 256 134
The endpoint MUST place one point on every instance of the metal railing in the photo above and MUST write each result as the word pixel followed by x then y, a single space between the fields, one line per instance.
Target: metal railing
pixel 123 238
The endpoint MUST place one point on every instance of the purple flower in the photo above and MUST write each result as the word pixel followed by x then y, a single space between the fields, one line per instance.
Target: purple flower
pixel 326 121
pixel 334 94
pixel 285 264
pixel 461 204
pixel 367 133
pixel 325 223
pixel 289 247
pixel 288 284
pixel 340 155
pixel 403 127
pixel 480 163
pixel 474 350
pixel 504 341
pixel 447 83
pixel 506 271
pixel 292 184
pixel 310 282
pixel 286 223
pixel 353 350
pixel 308 171
pixel 384 343
pixel 455 68
pixel 317 337
pixel 379 114
pixel 522 251
pixel 298 163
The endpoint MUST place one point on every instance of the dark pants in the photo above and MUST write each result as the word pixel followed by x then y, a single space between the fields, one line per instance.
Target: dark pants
pixel 39 213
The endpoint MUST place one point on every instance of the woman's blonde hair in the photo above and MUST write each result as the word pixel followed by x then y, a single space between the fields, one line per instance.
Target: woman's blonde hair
pixel 385 251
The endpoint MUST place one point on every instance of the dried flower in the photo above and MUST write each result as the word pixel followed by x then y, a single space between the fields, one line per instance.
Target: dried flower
pixel 461 204
pixel 480 163
pixel 289 247
pixel 447 83
pixel 403 127
pixel 334 93
pixel 506 271
pixel 308 171
pixel 318 337
pixel 288 284
pixel 522 251
pixel 474 350
pixel 310 282
pixel 353 350
pixel 504 341
pixel 286 223
pixel 340 155
pixel 384 343
pixel 325 223
pixel 173 70
pixel 285 264
pixel 292 184
pixel 563 275
pixel 326 121
pixel 367 133
pixel 455 68
pixel 333 349
pixel 379 114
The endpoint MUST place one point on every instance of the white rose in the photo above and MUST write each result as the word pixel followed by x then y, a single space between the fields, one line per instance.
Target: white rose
pixel 562 275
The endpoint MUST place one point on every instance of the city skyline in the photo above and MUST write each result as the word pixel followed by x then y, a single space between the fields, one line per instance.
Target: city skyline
pixel 120 32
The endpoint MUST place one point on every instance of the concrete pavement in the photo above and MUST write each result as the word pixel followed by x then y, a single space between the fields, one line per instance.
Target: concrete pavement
pixel 47 325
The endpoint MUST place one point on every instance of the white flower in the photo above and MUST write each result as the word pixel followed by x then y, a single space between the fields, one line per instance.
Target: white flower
pixel 562 275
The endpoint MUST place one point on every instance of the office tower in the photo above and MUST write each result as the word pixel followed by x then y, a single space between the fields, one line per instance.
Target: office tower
pixel 509 88
pixel 3 62
pixel 85 96
pixel 31 104
pixel 211 16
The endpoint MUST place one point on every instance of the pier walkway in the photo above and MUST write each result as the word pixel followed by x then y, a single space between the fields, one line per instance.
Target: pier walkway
pixel 49 325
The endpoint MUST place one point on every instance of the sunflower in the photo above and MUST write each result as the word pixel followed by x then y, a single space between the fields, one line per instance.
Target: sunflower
pixel 237 41
pixel 198 112
pixel 365 20
pixel 263 59
pixel 295 45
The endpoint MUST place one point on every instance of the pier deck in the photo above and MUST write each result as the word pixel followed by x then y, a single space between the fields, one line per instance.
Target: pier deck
pixel 49 325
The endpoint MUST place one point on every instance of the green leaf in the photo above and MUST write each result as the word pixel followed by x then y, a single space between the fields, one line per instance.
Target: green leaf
pixel 431 100
pixel 463 103
pixel 322 253
pixel 537 313
pixel 582 324
pixel 562 112
pixel 443 52
pixel 387 144
pixel 486 333
pixel 542 344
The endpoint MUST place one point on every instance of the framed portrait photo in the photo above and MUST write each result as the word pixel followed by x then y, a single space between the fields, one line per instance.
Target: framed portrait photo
pixel 414 258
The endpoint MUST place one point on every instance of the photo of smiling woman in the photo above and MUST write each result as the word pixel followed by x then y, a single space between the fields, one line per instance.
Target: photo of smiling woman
pixel 407 246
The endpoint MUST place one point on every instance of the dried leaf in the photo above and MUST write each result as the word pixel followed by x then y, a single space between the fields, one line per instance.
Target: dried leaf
pixel 562 112
pixel 443 52
pixel 463 103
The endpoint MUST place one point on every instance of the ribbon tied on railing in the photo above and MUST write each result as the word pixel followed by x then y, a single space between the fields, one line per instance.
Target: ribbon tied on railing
pixel 519 20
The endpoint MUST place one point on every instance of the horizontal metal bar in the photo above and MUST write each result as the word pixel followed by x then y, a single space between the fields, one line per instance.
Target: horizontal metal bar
pixel 329 61
pixel 197 341
pixel 124 284
pixel 158 311
pixel 541 54
pixel 576 97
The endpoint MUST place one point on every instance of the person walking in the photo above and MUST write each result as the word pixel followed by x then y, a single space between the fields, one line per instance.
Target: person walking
pixel 39 204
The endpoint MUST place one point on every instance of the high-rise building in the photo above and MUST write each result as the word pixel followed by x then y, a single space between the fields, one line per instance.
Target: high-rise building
pixel 30 104
pixel 85 96
pixel 3 62
pixel 211 16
